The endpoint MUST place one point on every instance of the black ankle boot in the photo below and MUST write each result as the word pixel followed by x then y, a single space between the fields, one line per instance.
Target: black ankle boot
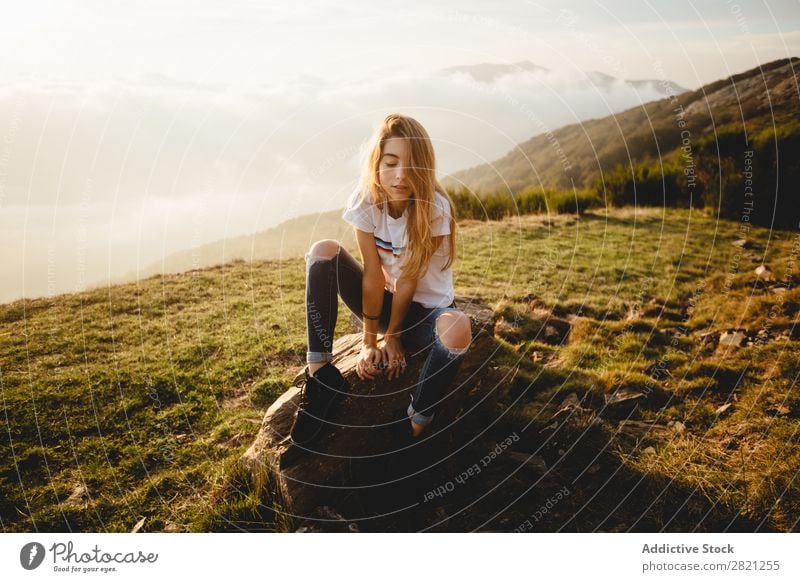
pixel 318 396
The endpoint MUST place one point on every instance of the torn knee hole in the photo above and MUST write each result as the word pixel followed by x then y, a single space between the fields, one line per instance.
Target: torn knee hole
pixel 456 351
pixel 454 332
pixel 311 260
pixel 322 250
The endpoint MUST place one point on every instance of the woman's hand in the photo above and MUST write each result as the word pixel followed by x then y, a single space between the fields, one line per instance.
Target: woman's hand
pixel 394 356
pixel 368 360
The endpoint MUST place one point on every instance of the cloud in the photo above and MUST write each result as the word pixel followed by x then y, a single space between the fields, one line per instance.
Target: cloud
pixel 139 170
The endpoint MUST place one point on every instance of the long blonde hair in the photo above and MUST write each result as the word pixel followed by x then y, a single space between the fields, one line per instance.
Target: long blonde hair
pixel 423 183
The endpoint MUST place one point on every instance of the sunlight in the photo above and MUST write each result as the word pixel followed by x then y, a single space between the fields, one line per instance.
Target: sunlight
pixel 21 19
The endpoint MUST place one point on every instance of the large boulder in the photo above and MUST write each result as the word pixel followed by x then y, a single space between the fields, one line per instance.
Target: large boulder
pixel 361 466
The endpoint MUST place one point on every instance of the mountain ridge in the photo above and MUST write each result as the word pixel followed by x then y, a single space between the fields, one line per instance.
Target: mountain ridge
pixel 490 72
pixel 576 155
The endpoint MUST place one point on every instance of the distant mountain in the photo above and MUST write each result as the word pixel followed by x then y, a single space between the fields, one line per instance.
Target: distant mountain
pixel 490 72
pixel 575 153
pixel 578 153
pixel 291 238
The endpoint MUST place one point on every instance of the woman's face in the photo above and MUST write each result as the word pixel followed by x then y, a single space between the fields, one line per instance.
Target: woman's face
pixel 393 169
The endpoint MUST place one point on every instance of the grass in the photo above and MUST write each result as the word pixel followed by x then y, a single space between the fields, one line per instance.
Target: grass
pixel 135 401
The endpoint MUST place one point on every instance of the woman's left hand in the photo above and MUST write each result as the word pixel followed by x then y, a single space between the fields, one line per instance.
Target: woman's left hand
pixel 394 356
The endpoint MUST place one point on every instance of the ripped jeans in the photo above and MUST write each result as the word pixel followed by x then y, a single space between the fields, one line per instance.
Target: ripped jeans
pixel 342 275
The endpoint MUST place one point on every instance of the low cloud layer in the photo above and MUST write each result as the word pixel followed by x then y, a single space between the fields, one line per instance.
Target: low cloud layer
pixel 98 181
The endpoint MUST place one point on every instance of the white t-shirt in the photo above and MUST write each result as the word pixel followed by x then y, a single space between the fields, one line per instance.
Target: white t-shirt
pixel 435 287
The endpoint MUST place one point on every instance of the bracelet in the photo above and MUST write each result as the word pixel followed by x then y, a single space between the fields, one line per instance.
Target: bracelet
pixel 373 318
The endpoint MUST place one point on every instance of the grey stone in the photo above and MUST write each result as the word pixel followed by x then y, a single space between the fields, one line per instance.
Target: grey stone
pixel 764 274
pixel 677 426
pixel 733 337
pixel 723 409
pixel 344 466
pixel 533 462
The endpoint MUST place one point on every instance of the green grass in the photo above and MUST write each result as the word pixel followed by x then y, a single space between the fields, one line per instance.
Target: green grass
pixel 147 393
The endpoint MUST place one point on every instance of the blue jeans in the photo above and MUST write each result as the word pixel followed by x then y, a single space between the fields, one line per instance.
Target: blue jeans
pixel 341 276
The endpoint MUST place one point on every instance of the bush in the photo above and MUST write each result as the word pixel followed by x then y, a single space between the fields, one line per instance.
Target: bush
pixel 497 205
pixel 649 183
pixel 773 157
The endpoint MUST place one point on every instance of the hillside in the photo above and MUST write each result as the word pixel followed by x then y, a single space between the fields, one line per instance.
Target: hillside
pixel 648 136
pixel 580 153
pixel 291 238
pixel 128 407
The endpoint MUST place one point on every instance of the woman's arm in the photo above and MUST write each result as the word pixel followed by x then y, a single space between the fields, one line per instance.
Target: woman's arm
pixel 393 353
pixel 401 301
pixel 393 347
pixel 372 285
pixel 371 303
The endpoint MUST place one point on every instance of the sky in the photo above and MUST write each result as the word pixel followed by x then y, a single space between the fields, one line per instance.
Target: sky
pixel 130 130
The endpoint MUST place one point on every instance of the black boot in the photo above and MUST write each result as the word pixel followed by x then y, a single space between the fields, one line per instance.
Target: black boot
pixel 318 396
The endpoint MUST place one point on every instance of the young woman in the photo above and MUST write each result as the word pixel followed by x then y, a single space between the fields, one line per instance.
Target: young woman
pixel 405 228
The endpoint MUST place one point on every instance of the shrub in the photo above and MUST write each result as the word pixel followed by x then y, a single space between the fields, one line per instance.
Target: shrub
pixel 497 205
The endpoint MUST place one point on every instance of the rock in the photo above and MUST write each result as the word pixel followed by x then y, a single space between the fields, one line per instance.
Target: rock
pixel 649 451
pixel 309 528
pixel 577 435
pixel 541 357
pixel 533 301
pixel 763 336
pixel 533 462
pixel 709 338
pixel 676 426
pixel 723 409
pixel 634 313
pixel 638 429
pixel 621 402
pixel 752 257
pixel 764 274
pixel 779 410
pixel 356 466
pixel 779 290
pixel 551 335
pixel 734 337
pixel 571 405
pixel 622 396
pixel 79 497
pixel 333 522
